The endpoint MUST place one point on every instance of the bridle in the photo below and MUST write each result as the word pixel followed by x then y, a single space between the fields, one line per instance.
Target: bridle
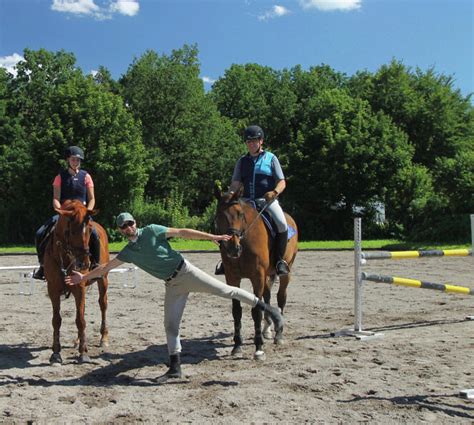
pixel 72 252
pixel 241 233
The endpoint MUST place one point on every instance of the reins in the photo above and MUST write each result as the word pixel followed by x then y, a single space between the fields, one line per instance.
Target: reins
pixel 256 218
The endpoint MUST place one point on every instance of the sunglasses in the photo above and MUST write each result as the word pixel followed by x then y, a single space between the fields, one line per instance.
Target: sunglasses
pixel 127 224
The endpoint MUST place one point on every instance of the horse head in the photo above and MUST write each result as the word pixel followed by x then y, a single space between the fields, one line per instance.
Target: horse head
pixel 73 231
pixel 231 220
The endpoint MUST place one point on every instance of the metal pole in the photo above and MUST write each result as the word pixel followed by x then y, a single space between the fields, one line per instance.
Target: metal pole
pixel 357 275
pixel 472 233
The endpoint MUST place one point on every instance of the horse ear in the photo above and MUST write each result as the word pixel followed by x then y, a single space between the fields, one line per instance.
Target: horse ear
pixel 64 212
pixel 240 192
pixel 93 212
pixel 217 189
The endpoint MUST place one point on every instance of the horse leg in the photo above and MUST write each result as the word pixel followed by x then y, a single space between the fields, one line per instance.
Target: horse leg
pixel 56 322
pixel 104 330
pixel 258 339
pixel 267 323
pixel 237 315
pixel 281 300
pixel 80 297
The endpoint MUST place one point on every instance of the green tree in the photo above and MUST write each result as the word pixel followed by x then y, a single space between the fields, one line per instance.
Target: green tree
pixel 439 124
pixel 255 94
pixel 55 106
pixel 344 158
pixel 188 143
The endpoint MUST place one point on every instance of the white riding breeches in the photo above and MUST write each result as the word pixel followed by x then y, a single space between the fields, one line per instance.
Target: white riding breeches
pixel 275 210
pixel 192 279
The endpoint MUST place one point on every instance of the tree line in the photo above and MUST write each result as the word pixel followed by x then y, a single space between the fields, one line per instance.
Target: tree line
pixel 156 142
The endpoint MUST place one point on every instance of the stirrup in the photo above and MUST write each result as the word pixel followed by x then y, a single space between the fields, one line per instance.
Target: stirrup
pixel 282 268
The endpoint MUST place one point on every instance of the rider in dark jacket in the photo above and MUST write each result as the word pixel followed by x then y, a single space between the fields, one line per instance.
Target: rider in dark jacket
pixel 72 183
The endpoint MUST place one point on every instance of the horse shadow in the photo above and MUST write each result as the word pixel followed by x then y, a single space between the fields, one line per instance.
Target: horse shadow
pixel 428 402
pixel 121 367
pixel 18 355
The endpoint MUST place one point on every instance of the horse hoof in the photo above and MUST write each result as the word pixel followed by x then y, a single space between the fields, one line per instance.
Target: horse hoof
pixel 278 341
pixel 267 333
pixel 55 359
pixel 104 344
pixel 237 351
pixel 84 359
pixel 259 355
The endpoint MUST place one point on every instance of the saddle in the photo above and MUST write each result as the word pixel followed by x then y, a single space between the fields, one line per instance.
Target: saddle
pixel 268 220
pixel 94 244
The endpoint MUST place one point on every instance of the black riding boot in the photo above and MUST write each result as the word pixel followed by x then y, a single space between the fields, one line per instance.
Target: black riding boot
pixel 39 273
pixel 94 246
pixel 219 268
pixel 280 243
pixel 175 366
pixel 220 265
pixel 274 313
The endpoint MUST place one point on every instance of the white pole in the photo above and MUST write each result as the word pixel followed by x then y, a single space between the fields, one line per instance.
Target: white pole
pixel 357 275
pixel 472 233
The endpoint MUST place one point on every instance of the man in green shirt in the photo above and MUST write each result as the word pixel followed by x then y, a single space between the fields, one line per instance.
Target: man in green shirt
pixel 148 249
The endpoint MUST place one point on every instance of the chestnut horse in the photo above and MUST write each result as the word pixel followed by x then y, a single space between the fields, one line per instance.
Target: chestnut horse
pixel 249 254
pixel 68 250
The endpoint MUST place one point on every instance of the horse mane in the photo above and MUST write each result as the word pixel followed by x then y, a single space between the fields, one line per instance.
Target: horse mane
pixel 74 209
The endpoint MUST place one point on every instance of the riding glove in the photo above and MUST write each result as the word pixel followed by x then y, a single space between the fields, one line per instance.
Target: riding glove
pixel 271 196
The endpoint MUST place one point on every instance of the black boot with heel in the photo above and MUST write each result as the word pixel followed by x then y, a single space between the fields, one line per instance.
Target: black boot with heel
pixel 281 241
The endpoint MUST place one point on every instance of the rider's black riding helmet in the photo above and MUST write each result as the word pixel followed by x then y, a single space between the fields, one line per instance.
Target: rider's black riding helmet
pixel 74 151
pixel 253 132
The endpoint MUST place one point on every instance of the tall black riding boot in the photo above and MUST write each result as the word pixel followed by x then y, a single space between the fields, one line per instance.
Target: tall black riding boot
pixel 39 273
pixel 220 265
pixel 175 366
pixel 219 268
pixel 94 246
pixel 281 242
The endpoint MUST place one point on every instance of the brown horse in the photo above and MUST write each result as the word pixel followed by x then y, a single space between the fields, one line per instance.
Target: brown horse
pixel 68 250
pixel 249 254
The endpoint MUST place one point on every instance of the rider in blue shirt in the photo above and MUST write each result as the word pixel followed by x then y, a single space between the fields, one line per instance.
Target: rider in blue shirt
pixel 260 174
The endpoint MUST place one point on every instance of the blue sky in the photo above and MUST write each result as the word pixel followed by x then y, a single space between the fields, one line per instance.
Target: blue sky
pixel 347 35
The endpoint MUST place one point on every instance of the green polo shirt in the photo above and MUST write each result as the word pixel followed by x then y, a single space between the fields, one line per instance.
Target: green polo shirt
pixel 151 252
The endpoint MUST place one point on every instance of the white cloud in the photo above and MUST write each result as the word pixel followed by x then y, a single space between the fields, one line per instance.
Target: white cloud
pixel 9 62
pixel 327 5
pixel 275 12
pixel 125 7
pixel 90 8
pixel 79 7
pixel 208 80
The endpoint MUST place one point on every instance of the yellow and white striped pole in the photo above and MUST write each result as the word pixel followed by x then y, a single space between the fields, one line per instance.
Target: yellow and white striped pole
pixel 414 283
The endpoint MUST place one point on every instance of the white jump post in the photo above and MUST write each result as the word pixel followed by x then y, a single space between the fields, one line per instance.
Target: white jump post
pixel 361 258
pixel 357 331
pixel 472 250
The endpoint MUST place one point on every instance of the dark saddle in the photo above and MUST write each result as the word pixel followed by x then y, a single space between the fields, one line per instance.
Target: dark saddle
pixel 268 220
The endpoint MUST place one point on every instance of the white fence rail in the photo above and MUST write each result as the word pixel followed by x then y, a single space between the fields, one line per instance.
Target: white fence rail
pixel 26 283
